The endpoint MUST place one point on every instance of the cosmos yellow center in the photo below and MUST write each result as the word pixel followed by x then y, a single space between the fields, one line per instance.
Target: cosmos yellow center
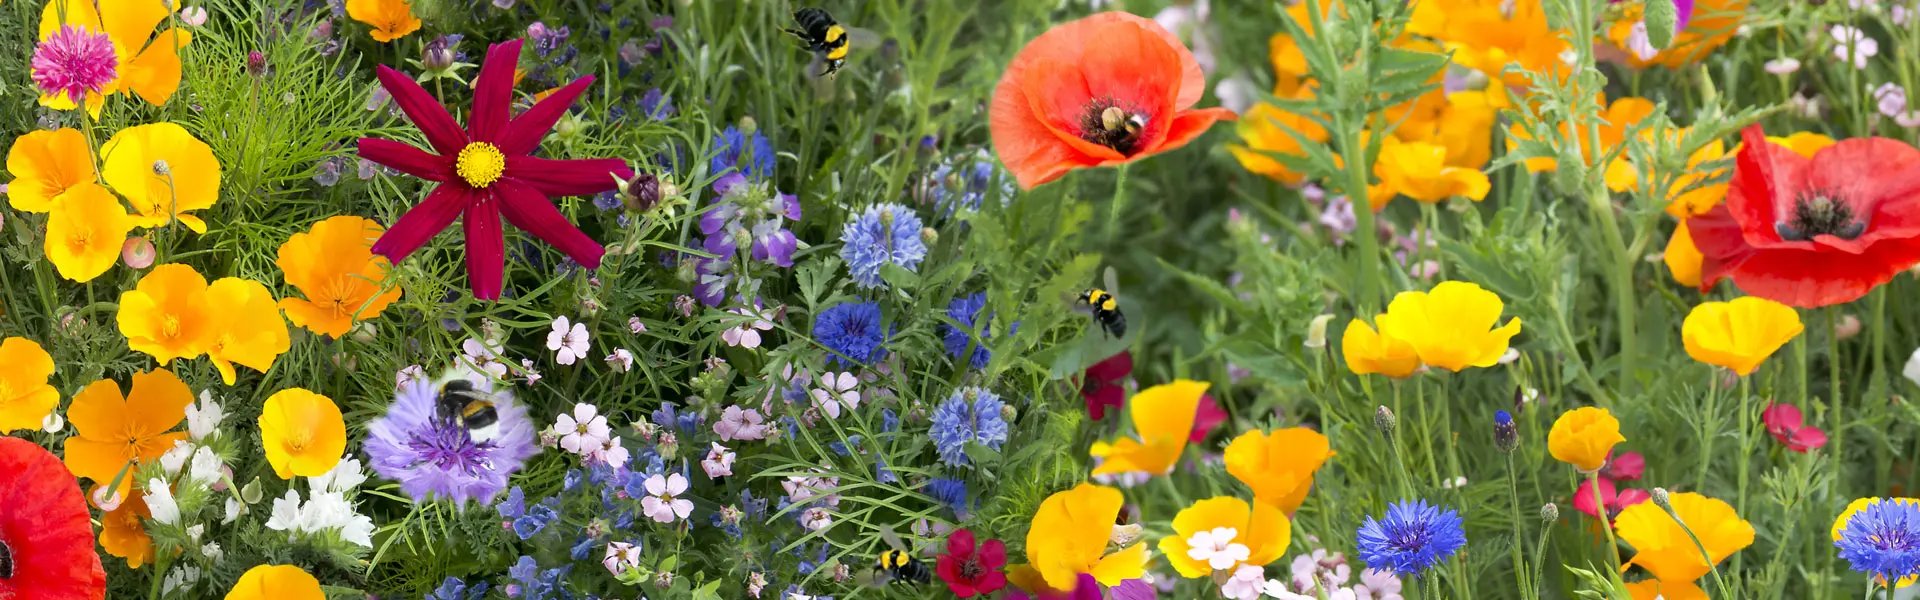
pixel 480 163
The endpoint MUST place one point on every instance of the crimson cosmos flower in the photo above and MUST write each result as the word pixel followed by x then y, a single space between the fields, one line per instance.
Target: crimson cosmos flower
pixel 487 171
pixel 46 541
pixel 1100 387
pixel 1812 232
pixel 970 572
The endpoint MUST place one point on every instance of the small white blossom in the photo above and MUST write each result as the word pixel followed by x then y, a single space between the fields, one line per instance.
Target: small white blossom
pixel 531 374
pixel 1217 548
pixel 203 417
pixel 568 340
pixel 184 577
pixel 635 325
pixel 1317 331
pixel 205 467
pixel 621 360
pixel 662 503
pixel 484 356
pixel 837 392
pixel 212 551
pixel 286 512
pixel 344 477
pixel 175 458
pixel 719 462
pixel 409 374
pixel 611 452
pixel 1247 583
pixel 1784 65
pixel 160 502
pixel 233 510
pixel 583 431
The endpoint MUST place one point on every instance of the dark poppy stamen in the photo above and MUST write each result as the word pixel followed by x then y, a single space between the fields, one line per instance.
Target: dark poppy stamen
pixel 1819 214
pixel 6 560
pixel 1108 124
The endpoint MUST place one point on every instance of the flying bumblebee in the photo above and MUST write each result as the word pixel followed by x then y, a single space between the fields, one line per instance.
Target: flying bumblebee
pixel 897 565
pixel 1105 307
pixel 824 36
pixel 460 403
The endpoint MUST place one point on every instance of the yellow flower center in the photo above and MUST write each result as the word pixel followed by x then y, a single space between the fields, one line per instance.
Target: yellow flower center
pixel 80 240
pixel 480 163
pixel 170 326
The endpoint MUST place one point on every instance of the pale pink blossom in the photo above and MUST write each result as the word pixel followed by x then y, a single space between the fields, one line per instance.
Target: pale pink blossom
pixel 568 340
pixel 663 503
pixel 620 557
pixel 621 360
pixel 747 333
pixel 837 391
pixel 740 424
pixel 583 431
pixel 719 462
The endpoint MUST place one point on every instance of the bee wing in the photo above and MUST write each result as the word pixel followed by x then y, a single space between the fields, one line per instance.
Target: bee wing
pixel 861 38
pixel 1112 280
pixel 893 540
pixel 873 578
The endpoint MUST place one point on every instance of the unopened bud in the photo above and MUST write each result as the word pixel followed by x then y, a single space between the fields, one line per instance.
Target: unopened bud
pixel 928 235
pixel 1661 499
pixel 250 493
pixel 747 126
pixel 1383 418
pixel 1506 436
pixel 1126 535
pixel 256 63
pixel 641 193
pixel 1549 512
pixel 1317 332
pixel 1662 18
pixel 1008 413
pixel 437 56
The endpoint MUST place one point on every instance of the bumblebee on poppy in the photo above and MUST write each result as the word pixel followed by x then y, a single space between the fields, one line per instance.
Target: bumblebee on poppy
pixel 822 35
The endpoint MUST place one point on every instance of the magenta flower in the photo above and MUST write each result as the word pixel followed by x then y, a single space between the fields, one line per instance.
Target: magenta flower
pixel 75 62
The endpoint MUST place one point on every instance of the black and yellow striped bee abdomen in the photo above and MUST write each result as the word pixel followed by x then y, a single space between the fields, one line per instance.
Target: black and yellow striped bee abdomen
pixel 1106 311
pixel 461 404
pixel 823 35
pixel 899 566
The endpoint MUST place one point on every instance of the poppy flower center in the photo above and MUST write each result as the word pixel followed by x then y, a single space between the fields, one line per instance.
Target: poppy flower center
pixel 170 325
pixel 1819 214
pixel 970 569
pixel 480 163
pixel 1108 124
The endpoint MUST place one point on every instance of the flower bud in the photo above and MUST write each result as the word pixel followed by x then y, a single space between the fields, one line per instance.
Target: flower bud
pixel 1506 436
pixel 747 126
pixel 1661 499
pixel 250 493
pixel 1317 331
pixel 437 56
pixel 641 193
pixel 1383 418
pixel 929 236
pixel 256 63
pixel 1008 413
pixel 137 252
pixel 1662 17
pixel 1126 535
pixel 193 16
pixel 1549 512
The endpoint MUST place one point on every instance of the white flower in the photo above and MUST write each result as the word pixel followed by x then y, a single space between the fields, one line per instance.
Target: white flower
pixel 176 457
pixel 1216 547
pixel 719 462
pixel 621 360
pixel 1275 589
pixel 532 375
pixel 484 356
pixel 1900 15
pixel 345 477
pixel 837 391
pixel 1457 482
pixel 611 452
pixel 183 577
pixel 662 503
pixel 409 374
pixel 233 510
pixel 816 518
pixel 53 423
pixel 1784 65
pixel 160 502
pixel 193 16
pixel 568 341
pixel 1377 585
pixel 205 467
pixel 1912 370
pixel 1247 583
pixel 1317 332
pixel 194 532
pixel 212 551
pixel 332 512
pixel 286 513
pixel 1853 45
pixel 635 325
pixel 620 557
pixel 744 334
pixel 1236 92
pixel 583 431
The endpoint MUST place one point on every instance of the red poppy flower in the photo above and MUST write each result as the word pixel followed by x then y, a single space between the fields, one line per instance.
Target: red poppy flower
pixel 1615 499
pixel 1627 466
pixel 1811 232
pixel 1100 387
pixel 970 572
pixel 46 542
pixel 1787 426
pixel 1104 90
pixel 487 171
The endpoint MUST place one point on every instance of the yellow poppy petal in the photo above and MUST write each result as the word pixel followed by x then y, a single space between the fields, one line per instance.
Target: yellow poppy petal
pixel 85 235
pixel 45 164
pixel 301 433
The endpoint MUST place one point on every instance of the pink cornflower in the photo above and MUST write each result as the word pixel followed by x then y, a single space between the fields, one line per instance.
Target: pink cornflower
pixel 75 61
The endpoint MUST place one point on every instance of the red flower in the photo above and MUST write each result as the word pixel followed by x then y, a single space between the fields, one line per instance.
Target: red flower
pixel 1101 386
pixel 487 171
pixel 1786 425
pixel 1208 416
pixel 1616 500
pixel 1625 467
pixel 1811 232
pixel 969 572
pixel 1104 90
pixel 46 542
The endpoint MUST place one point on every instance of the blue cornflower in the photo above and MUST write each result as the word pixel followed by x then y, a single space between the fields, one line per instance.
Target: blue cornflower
pixel 965 310
pixel 969 415
pixel 964 183
pixel 852 331
pixel 1413 537
pixel 1882 538
pixel 656 105
pixel 952 493
pixel 752 156
pixel 884 234
pixel 889 421
pixel 515 504
pixel 455 589
pixel 537 518
pixel 884 474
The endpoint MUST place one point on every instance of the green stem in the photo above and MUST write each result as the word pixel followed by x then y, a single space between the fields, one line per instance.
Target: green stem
pixel 1513 515
pixel 1718 583
pixel 1356 189
pixel 1625 305
pixel 1399 454
pixel 1711 415
pixel 1839 427
pixel 1606 525
pixel 1744 460
pixel 1119 200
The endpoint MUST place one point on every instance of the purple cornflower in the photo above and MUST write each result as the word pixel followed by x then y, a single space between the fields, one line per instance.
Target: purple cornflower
pixel 884 234
pixel 1413 537
pixel 656 105
pixel 966 311
pixel 74 62
pixel 434 457
pixel 1882 539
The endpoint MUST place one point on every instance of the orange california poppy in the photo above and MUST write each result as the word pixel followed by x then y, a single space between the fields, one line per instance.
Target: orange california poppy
pixel 390 19
pixel 44 165
pixel 122 535
pixel 333 265
pixel 1103 90
pixel 114 432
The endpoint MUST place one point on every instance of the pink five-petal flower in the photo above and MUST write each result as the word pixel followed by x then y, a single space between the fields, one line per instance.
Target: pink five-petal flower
pixel 1785 423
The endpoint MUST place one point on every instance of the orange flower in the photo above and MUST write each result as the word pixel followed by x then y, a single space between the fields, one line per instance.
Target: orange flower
pixel 1689 194
pixel 164 172
pixel 1278 466
pixel 1104 90
pixel 25 397
pixel 1162 416
pixel 1613 130
pixel 46 164
pixel 1368 351
pixel 390 19
pixel 250 330
pixel 1265 132
pixel 333 265
pixel 149 62
pixel 122 535
pixel 167 315
pixel 301 433
pixel 115 433
pixel 1490 35
pixel 276 582
pixel 85 235
pixel 1682 258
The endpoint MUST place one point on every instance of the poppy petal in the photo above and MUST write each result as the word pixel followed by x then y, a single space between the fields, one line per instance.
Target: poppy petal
pixel 424 110
pixel 486 250
pixel 1767 178
pixel 526 130
pixel 1028 147
pixel 406 158
pixel 532 212
pixel 423 221
pixel 568 177
pixel 1189 125
pixel 493 91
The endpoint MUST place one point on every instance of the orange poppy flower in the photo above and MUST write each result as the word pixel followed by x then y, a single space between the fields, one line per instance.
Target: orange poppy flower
pixel 25 397
pixel 44 165
pixel 333 264
pixel 250 330
pixel 115 432
pixel 166 314
pixel 390 19
pixel 1104 90
pixel 122 535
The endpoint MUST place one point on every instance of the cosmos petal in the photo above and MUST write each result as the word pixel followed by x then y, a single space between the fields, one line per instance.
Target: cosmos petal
pixel 526 130
pixel 486 250
pixel 532 212
pixel 493 92
pixel 568 177
pixel 423 221
pixel 408 159
pixel 426 112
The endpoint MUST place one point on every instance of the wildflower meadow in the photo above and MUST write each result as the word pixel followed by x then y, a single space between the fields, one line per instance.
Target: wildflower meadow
pixel 1021 299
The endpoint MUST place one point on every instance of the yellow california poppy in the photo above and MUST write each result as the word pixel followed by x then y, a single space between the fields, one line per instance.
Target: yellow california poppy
pixel 1278 466
pixel 163 172
pixel 1465 126
pixel 1162 416
pixel 1682 257
pixel 1804 143
pixel 86 232
pixel 1419 170
pixel 1583 437
pixel 1367 351
pixel 121 533
pixel 249 330
pixel 44 165
pixel 1261 531
pixel 390 19
pixel 1654 589
pixel 1665 550
pixel 148 62
pixel 166 314
pixel 1846 516
pixel 1069 536
pixel 276 582
pixel 334 266
pixel 25 397
pixel 1739 334
pixel 1613 121
pixel 1451 327
pixel 301 433
pixel 1490 35
pixel 114 432
pixel 1264 131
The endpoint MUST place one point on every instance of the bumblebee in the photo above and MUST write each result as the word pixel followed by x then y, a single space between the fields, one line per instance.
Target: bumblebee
pixel 823 35
pixel 896 565
pixel 1106 311
pixel 461 404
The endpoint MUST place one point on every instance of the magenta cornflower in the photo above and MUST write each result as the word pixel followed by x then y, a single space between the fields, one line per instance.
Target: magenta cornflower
pixel 75 61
